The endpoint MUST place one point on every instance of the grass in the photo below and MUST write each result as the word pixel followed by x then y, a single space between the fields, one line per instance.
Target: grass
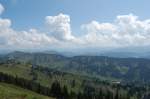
pixel 24 70
pixel 8 91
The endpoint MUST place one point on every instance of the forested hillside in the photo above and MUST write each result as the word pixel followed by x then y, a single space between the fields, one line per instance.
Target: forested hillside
pixel 65 85
pixel 107 68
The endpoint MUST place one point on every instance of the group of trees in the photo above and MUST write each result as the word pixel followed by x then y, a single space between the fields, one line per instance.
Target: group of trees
pixel 56 90
pixel 24 83
pixel 61 92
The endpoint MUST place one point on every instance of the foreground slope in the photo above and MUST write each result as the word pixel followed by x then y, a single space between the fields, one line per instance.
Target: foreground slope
pixel 8 91
pixel 59 84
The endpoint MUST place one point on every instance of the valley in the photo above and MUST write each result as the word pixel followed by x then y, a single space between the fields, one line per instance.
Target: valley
pixel 103 76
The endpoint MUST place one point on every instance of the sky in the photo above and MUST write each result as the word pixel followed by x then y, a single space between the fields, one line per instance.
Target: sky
pixel 74 24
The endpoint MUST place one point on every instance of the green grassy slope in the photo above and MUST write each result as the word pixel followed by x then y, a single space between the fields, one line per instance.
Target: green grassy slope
pixel 24 71
pixel 8 91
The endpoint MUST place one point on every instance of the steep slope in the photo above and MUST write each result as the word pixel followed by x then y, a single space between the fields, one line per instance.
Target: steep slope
pixel 8 91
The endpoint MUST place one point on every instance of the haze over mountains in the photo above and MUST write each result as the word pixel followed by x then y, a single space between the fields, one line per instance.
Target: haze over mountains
pixel 120 53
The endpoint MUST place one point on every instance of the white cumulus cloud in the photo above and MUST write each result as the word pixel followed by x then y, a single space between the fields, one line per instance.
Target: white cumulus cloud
pixel 59 26
pixel 22 39
pixel 124 31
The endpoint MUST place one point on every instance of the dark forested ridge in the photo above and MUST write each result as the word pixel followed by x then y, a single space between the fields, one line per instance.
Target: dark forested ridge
pixel 78 77
pixel 131 69
pixel 90 90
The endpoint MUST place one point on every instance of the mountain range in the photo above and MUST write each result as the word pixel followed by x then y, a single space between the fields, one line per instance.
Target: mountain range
pixel 103 67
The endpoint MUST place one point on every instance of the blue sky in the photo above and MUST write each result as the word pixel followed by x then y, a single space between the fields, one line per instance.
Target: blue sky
pixel 74 24
pixel 21 12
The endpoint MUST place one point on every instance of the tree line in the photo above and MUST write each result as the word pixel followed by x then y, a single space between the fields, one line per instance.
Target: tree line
pixel 62 92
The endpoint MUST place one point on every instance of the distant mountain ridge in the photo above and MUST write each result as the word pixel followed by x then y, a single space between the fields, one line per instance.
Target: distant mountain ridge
pixel 112 53
pixel 130 69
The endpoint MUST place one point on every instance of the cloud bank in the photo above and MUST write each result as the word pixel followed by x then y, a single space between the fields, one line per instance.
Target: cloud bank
pixel 124 31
